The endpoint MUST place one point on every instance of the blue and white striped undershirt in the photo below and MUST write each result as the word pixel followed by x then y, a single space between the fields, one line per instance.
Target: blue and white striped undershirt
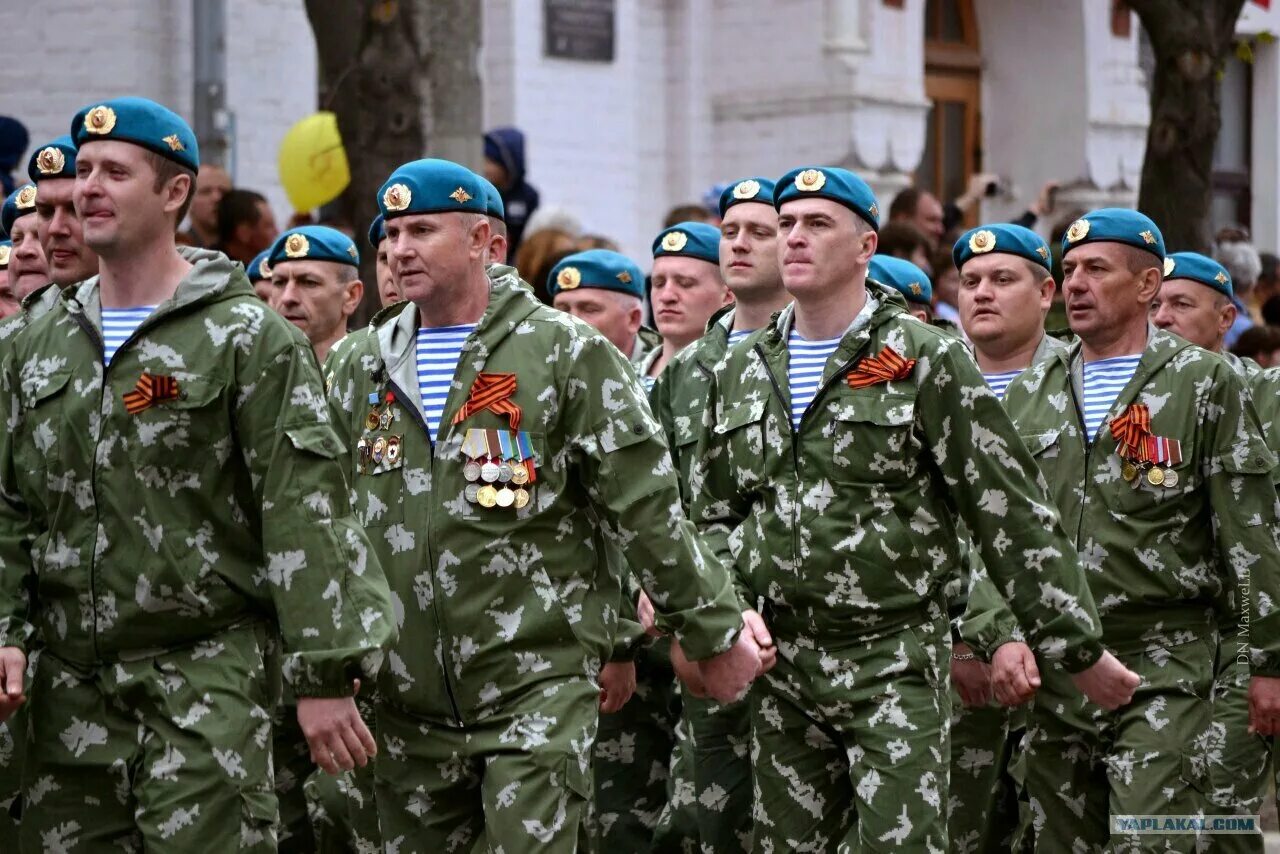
pixel 805 363
pixel 438 351
pixel 1103 382
pixel 118 324
pixel 999 383
pixel 736 335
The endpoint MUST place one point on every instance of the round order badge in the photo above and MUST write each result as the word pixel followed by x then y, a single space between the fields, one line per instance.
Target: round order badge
pixel 1128 471
pixel 489 472
pixel 1155 476
pixel 472 493
pixel 505 473
pixel 506 497
pixel 519 475
pixel 471 471
pixel 1170 478
pixel 487 496
pixel 522 498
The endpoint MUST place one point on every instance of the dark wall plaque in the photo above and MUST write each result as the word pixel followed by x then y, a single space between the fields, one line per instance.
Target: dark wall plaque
pixel 578 29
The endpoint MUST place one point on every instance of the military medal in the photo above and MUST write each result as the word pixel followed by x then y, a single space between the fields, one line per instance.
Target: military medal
pixel 1142 450
pixel 1128 471
pixel 1170 478
pixel 471 471
pixel 487 496
pixel 489 471
pixel 393 450
pixel 506 497
pixel 1155 475
pixel 362 454
pixel 384 420
pixel 371 420
pixel 522 497
pixel 379 448
pixel 472 493
pixel 505 471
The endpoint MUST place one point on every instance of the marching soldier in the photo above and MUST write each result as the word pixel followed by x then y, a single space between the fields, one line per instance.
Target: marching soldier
pixel 259 274
pixel 907 279
pixel 839 438
pixel 28 269
pixel 1195 302
pixel 712 765
pixel 685 289
pixel 168 491
pixel 52 169
pixel 615 308
pixel 315 283
pixel 1156 462
pixel 1005 290
pixel 493 442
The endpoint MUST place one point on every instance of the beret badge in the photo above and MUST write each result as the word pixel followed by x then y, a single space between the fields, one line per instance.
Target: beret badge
pixel 4 255
pixel 1221 278
pixel 747 189
pixel 27 197
pixel 174 143
pixel 100 120
pixel 50 161
pixel 263 269
pixel 982 241
pixel 297 246
pixel 1078 230
pixel 569 278
pixel 460 196
pixel 1168 267
pixel 810 180
pixel 624 277
pixel 674 241
pixel 397 197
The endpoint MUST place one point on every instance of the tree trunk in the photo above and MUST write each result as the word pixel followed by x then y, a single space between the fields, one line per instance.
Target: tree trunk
pixel 1191 41
pixel 403 79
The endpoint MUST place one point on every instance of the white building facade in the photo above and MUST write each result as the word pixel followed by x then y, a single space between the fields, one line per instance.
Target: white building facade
pixel 695 92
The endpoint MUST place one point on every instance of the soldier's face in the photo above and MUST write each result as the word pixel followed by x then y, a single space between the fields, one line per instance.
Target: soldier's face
pixel 211 185
pixel 27 267
pixel 685 293
pixel 69 260
pixel 822 247
pixel 617 316
pixel 432 254
pixel 315 296
pixel 749 249
pixel 388 292
pixel 1106 287
pixel 116 197
pixel 1195 311
pixel 1002 302
pixel 8 303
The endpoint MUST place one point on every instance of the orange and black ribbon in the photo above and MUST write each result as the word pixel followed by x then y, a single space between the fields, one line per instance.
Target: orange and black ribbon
pixel 1132 431
pixel 886 367
pixel 151 388
pixel 491 391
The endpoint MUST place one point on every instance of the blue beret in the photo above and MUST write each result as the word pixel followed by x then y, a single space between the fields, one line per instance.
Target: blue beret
pixel 597 268
pixel 6 248
pixel 56 159
pixel 377 231
pixel 141 122
pixel 829 182
pixel 1115 225
pixel 691 239
pixel 431 186
pixel 259 268
pixel 1198 268
pixel 747 190
pixel 903 276
pixel 493 200
pixel 1001 238
pixel 21 202
pixel 314 243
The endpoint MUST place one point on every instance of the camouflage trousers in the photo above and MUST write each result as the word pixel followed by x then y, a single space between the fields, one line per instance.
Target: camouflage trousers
pixel 850 743
pixel 320 813
pixel 164 754
pixel 1241 775
pixel 632 760
pixel 984 811
pixel 709 799
pixel 522 776
pixel 1151 757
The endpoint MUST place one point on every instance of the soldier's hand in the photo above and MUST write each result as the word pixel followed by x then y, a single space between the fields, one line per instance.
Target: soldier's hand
pixel 647 617
pixel 1014 674
pixel 1264 705
pixel 729 674
pixel 754 623
pixel 13 670
pixel 338 738
pixel 971 676
pixel 687 671
pixel 1108 683
pixel 617 684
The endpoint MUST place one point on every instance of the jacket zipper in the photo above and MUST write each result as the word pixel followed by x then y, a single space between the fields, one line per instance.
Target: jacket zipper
pixel 1088 448
pixel 403 400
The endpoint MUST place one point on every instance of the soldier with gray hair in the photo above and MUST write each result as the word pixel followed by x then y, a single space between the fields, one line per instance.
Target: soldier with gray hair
pixel 1233 250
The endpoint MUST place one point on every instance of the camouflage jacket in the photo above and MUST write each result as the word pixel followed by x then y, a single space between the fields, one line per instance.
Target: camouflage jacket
pixel 34 305
pixel 496 602
pixel 216 505
pixel 847 526
pixel 1158 557
pixel 647 340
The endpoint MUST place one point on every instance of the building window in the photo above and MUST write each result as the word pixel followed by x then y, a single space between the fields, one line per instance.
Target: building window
pixel 1232 156
pixel 953 85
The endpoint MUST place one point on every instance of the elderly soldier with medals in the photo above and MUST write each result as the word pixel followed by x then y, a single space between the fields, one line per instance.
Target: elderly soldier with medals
pixel 494 441
pixel 169 500
pixel 1195 302
pixel 840 437
pixel 1163 479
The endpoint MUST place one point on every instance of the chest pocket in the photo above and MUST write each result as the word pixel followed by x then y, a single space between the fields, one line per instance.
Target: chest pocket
pixel 184 428
pixel 869 438
pixel 742 430
pixel 39 447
